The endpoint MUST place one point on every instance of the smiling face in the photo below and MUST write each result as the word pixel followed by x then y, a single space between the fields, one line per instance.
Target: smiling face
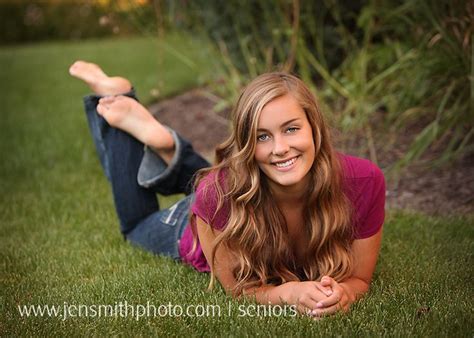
pixel 285 149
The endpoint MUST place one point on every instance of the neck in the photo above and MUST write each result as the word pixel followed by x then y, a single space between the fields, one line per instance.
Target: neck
pixel 289 195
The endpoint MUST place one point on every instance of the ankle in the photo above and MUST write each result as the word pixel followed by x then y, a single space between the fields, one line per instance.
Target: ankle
pixel 159 138
pixel 119 85
pixel 161 141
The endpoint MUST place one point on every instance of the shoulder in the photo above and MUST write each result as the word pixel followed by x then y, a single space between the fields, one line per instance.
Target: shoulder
pixel 359 168
pixel 364 185
pixel 210 203
pixel 211 183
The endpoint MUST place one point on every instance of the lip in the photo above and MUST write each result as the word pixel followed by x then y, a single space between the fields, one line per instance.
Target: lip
pixel 283 161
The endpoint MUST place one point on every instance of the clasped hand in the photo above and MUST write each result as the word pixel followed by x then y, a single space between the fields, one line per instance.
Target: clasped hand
pixel 322 298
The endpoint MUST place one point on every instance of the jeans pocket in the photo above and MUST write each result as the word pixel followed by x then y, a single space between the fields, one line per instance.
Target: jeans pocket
pixel 174 214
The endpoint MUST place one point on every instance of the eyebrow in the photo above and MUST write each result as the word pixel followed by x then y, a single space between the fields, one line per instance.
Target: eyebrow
pixel 283 124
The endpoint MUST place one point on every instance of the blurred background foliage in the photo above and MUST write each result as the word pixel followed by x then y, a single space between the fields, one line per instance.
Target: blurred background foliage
pixel 376 64
pixel 33 21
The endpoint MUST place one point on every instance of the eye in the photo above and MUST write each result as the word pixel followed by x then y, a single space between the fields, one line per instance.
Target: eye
pixel 262 137
pixel 292 129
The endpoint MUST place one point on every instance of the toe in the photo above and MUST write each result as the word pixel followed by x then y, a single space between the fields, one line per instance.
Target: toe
pixel 100 109
pixel 107 100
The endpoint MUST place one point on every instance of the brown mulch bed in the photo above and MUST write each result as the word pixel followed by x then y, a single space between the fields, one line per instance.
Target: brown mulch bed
pixel 435 191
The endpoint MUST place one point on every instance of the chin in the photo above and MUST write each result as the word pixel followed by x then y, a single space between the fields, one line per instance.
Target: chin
pixel 287 180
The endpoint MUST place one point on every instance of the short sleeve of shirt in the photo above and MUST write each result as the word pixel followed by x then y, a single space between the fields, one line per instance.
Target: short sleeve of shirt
pixel 372 221
pixel 206 202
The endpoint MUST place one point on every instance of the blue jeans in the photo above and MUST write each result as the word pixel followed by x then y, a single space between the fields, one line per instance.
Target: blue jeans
pixel 136 174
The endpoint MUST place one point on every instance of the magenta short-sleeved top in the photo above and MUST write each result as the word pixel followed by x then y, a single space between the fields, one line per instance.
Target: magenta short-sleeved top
pixel 364 185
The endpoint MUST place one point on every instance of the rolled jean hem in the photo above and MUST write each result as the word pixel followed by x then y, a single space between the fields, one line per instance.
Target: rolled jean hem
pixel 153 169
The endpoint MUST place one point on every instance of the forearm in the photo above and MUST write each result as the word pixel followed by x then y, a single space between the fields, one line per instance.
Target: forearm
pixel 355 288
pixel 269 294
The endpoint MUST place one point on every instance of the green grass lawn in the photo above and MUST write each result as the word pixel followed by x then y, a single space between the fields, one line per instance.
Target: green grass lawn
pixel 60 242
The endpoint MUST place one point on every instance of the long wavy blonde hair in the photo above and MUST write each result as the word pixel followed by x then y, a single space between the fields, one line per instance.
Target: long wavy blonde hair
pixel 263 253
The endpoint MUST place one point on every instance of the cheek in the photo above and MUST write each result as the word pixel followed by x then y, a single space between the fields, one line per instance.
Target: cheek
pixel 312 155
pixel 312 152
pixel 260 153
pixel 307 145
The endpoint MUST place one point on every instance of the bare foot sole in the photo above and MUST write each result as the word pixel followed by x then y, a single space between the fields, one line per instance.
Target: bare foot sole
pixel 130 116
pixel 97 80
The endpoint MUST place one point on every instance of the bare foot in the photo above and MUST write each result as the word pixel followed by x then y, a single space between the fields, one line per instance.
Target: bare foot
pixel 97 80
pixel 130 116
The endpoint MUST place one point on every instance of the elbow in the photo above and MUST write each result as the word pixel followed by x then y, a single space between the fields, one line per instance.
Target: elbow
pixel 364 283
pixel 365 286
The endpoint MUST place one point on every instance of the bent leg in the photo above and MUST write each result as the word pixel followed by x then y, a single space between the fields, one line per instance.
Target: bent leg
pixel 120 155
pixel 120 126
pixel 169 161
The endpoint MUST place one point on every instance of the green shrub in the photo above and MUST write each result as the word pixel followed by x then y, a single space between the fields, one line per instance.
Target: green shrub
pixel 413 60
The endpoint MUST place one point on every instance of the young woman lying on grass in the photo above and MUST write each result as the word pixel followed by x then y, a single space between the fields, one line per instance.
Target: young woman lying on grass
pixel 281 216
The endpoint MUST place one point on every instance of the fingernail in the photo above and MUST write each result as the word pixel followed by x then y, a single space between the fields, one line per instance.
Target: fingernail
pixel 319 305
pixel 329 292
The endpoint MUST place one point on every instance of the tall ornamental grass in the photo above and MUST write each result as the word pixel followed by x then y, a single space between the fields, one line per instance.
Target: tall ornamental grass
pixel 410 62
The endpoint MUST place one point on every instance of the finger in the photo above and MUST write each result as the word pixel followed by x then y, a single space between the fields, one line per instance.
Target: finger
pixel 306 305
pixel 331 300
pixel 327 281
pixel 327 290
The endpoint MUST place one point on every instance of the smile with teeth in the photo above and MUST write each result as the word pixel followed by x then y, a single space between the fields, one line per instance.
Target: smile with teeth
pixel 286 163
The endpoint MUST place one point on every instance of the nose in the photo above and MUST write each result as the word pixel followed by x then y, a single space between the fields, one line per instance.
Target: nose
pixel 280 146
